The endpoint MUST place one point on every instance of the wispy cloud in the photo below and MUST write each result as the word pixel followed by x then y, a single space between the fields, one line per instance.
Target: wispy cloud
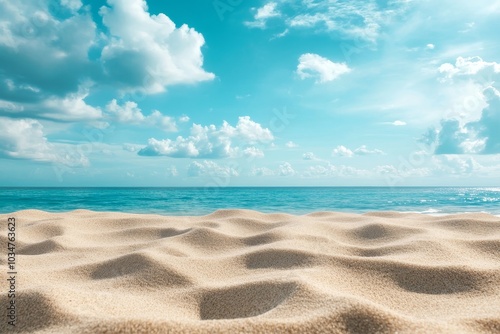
pixel 263 14
pixel 351 19
pixel 342 151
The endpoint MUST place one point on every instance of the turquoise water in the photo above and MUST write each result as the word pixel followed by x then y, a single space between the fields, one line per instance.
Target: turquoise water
pixel 199 201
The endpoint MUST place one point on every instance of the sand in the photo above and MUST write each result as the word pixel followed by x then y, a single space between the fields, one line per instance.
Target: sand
pixel 240 271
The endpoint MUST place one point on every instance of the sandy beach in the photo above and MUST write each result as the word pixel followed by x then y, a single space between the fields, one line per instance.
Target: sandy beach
pixel 240 271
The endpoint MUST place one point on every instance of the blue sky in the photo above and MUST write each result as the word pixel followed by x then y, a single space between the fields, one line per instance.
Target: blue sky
pixel 230 93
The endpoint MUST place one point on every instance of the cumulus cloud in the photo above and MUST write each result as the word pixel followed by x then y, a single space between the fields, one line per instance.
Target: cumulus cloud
pixel 468 66
pixel 148 52
pixel 363 150
pixel 309 156
pixel 291 144
pixel 342 151
pixel 210 141
pixel 263 14
pixel 24 139
pixel 184 119
pixel 53 57
pixel 130 113
pixel 70 108
pixel 286 169
pixel 253 152
pixel 487 128
pixel 472 128
pixel 46 72
pixel 474 137
pixel 43 55
pixel 210 168
pixel 73 5
pixel 323 69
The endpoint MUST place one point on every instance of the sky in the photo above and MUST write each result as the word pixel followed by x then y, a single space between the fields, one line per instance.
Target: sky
pixel 249 93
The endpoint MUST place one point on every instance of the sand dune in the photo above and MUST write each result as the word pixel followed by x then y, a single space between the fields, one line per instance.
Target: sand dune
pixel 240 271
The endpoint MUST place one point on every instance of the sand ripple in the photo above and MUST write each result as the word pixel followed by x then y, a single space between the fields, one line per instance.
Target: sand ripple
pixel 241 271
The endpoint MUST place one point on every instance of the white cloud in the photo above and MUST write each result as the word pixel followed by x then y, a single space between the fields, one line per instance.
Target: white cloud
pixel 471 126
pixel 342 151
pixel 147 52
pixel 46 73
pixel 172 171
pixel 166 123
pixel 267 11
pixel 281 34
pixel 70 108
pixel 24 139
pixel 349 171
pixel 253 152
pixel 469 66
pixel 430 46
pixel 130 113
pixel 291 144
pixel 323 69
pixel 210 141
pixel 455 165
pixel 210 168
pixel 363 150
pixel 320 171
pixel 53 56
pixel 398 123
pixel 262 171
pixel 73 5
pixel 358 19
pixel 329 170
pixel 132 147
pixel 395 123
pixel 43 56
pixel 184 119
pixel 309 156
pixel 263 14
pixel 250 131
pixel 286 169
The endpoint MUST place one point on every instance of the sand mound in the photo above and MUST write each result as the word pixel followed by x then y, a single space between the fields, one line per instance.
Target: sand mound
pixel 244 271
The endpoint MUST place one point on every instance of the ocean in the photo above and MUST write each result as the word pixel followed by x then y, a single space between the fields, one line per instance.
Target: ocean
pixel 294 200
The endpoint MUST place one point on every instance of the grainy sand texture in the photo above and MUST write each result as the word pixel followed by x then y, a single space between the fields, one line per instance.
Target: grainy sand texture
pixel 240 271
